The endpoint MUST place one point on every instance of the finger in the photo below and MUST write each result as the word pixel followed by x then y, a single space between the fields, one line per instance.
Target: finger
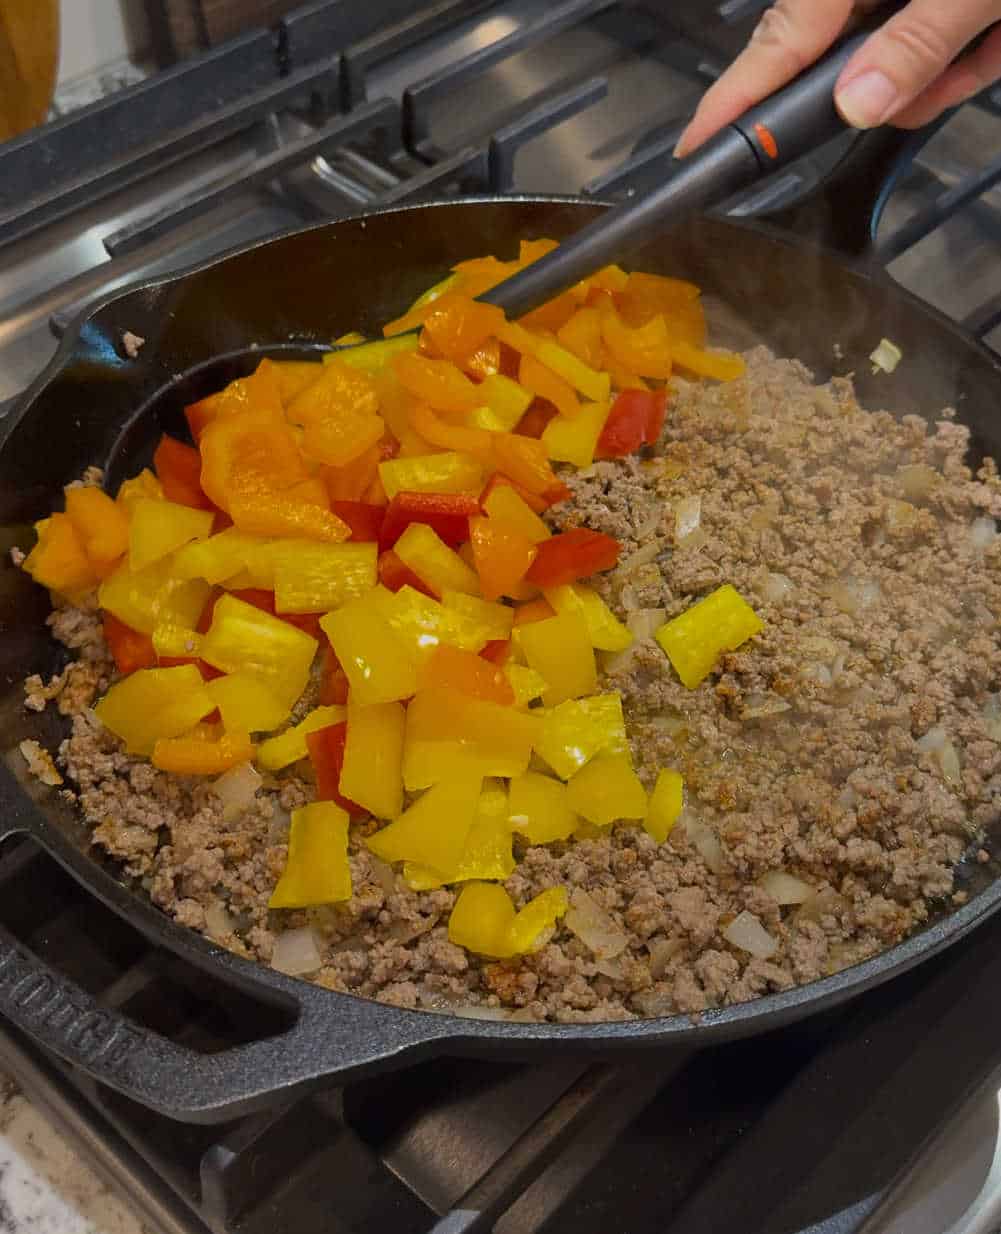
pixel 962 81
pixel 905 56
pixel 791 35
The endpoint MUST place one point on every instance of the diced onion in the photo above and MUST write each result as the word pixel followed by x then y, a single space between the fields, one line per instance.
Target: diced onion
pixel 594 926
pixel 687 518
pixel 704 840
pixel 471 1012
pixel 886 357
pixel 236 789
pixel 747 933
pixel 983 532
pixel 938 743
pixel 384 874
pixel 650 525
pixel 662 952
pixel 217 921
pixel 777 587
pixel 785 888
pixel 643 622
pixel 917 480
pixel 642 557
pixel 296 952
pixel 853 595
pixel 612 969
pixel 760 706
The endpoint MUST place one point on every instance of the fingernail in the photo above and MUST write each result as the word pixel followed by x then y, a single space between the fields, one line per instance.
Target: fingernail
pixel 866 100
pixel 683 146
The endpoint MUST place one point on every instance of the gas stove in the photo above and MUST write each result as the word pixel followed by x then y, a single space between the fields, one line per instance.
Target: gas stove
pixel 880 1117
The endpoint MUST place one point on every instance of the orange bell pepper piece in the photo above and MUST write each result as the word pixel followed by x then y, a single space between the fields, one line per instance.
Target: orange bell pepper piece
pixel 458 325
pixel 485 361
pixel 248 454
pixel 448 514
pixel 276 514
pixel 191 756
pixel 644 350
pixel 533 610
pixel 497 651
pixel 101 525
pixel 130 649
pixel 58 561
pixel 262 391
pixel 340 439
pixel 544 383
pixel 582 335
pixel 552 315
pixel 533 500
pixel 341 390
pixel 478 442
pixel 502 556
pixel 647 295
pixel 353 481
pixel 178 468
pixel 524 461
pixel 294 376
pixel 466 672
pixel 437 382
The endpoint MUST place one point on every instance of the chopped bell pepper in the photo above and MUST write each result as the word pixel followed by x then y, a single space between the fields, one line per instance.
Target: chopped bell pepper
pixel 145 484
pixel 505 504
pixel 497 651
pixel 474 618
pixel 526 683
pixel 353 481
pixel 434 830
pixel 550 317
pixel 644 350
pixel 340 439
pixel 483 362
pixel 179 469
pixel 130 649
pixel 559 648
pixel 467 672
pixel 539 810
pixel 101 524
pixel 58 560
pixel 476 442
pixel 576 731
pixel 244 639
pixel 544 383
pixel 575 441
pixel 436 382
pixel 420 549
pixel 525 461
pixel 533 610
pixel 448 731
pixel 573 555
pixel 333 679
pixel 504 403
pixel 294 376
pixel 158 528
pixel 393 575
pixel 458 325
pixel 191 756
pixel 152 703
pixel 432 473
pixel 486 853
pixel 581 335
pixel 606 789
pixel 721 365
pixel 666 803
pixel 317 870
pixel 279 514
pixel 172 641
pixel 341 390
pixel 422 623
pixel 250 454
pixel 537 419
pixel 289 747
pixel 153 597
pixel 315 578
pixel 326 753
pixel 372 770
pixel 379 665
pixel 695 639
pixel 636 418
pixel 484 921
pixel 226 555
pixel 502 555
pixel 447 514
pixel 373 358
pixel 595 386
pixel 364 518
pixel 247 704
pixel 534 501
pixel 649 295
pixel 605 630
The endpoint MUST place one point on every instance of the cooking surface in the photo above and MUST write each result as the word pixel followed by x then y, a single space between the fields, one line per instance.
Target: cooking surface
pixel 823 1118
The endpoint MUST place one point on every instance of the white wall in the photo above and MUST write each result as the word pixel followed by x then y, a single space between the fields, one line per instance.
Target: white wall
pixel 98 32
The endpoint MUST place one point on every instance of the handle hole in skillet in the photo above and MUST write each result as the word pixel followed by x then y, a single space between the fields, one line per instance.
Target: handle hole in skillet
pixel 68 928
pixel 164 412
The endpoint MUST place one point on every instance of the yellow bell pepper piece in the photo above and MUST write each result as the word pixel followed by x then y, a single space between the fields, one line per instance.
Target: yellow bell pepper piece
pixel 374 357
pixel 103 526
pixel 433 831
pixel 289 747
pixel 342 389
pixel 592 384
pixel 144 485
pixel 447 472
pixel 152 703
pixel 350 339
pixel 605 630
pixel 194 756
pixel 341 439
pixel 58 560
pixel 666 803
pixel 539 809
pixel 157 528
pixel 722 365
pixel 229 555
pixel 177 642
pixel 506 504
pixel 470 613
pixel 575 731
pixel 462 621
pixel 575 441
pixel 154 597
pixel 559 648
pixel 644 350
pixel 315 578
pixel 484 921
pixel 448 731
pixel 244 639
pixel 607 789
pixel 487 851
pixel 526 683
pixel 379 665
pixel 247 703
pixel 372 771
pixel 294 376
pixel 505 402
pixel 694 641
pixel 581 335
pixel 316 870
pixel 434 562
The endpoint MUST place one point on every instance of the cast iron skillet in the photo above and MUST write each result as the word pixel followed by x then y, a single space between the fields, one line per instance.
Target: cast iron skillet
pixel 299 291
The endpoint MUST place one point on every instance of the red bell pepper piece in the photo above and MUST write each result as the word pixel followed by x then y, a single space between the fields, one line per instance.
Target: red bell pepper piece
pixel 179 468
pixel 326 753
pixel 497 651
pixel 394 575
pixel 130 649
pixel 447 514
pixel 333 680
pixel 533 422
pixel 571 556
pixel 364 519
pixel 636 418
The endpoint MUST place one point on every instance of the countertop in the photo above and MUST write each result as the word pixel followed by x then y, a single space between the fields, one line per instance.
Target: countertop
pixel 45 1188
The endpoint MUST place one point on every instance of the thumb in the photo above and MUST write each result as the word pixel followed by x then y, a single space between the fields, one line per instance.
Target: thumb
pixel 906 55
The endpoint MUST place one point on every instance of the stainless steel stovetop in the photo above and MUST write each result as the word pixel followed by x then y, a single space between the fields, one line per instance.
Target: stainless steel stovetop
pixel 358 106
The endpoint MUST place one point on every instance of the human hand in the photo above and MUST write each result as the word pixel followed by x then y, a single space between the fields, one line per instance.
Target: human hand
pixel 903 74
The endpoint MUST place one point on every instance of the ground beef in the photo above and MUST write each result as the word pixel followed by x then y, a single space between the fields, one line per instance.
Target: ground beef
pixel 850 533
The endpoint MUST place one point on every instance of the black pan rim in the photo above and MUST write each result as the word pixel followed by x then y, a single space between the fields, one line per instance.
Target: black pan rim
pixel 441 1028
